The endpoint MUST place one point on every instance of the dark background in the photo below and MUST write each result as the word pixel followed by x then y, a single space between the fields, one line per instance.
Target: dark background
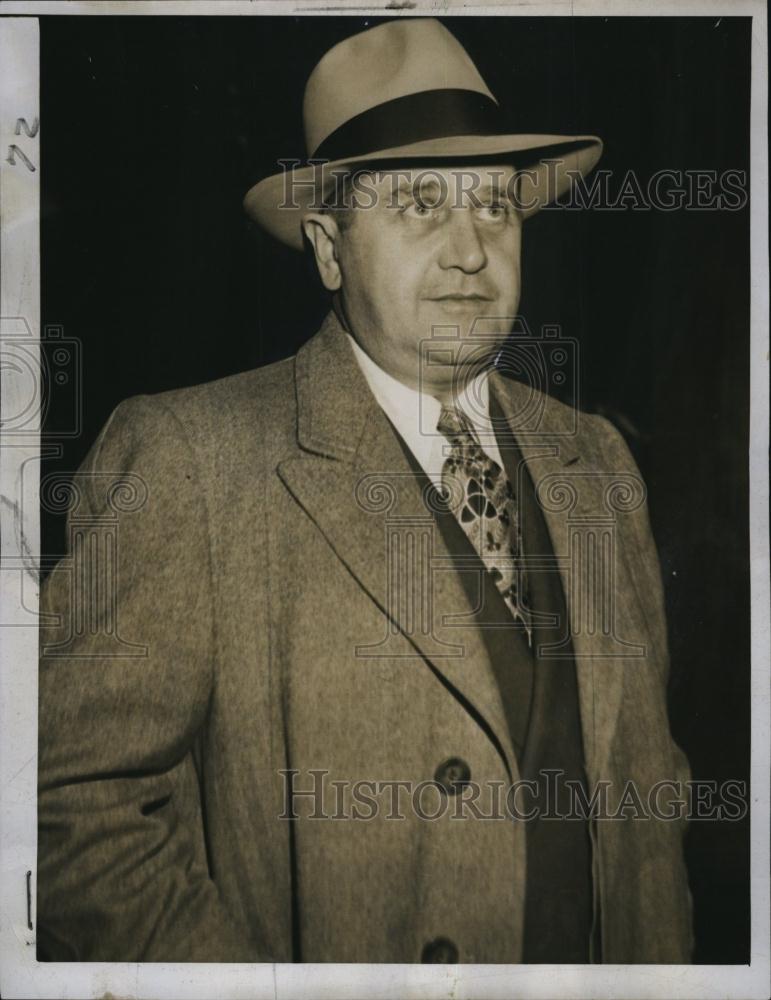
pixel 153 129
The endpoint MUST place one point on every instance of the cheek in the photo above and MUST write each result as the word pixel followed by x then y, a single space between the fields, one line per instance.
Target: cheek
pixel 504 265
pixel 396 285
pixel 377 265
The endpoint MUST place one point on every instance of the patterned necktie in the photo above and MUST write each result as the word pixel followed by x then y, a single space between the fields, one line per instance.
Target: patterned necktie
pixel 485 506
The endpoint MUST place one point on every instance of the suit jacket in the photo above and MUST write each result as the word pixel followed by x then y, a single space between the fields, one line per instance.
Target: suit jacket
pixel 254 600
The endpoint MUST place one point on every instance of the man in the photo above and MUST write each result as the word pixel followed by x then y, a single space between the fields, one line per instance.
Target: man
pixel 370 628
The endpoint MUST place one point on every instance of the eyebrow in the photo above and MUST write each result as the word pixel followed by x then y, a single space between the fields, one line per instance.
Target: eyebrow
pixel 407 187
pixel 499 189
pixel 429 185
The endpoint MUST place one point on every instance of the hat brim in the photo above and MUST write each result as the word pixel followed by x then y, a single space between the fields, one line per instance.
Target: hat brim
pixel 280 202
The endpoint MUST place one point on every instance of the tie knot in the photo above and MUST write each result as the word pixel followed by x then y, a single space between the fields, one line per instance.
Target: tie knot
pixel 453 423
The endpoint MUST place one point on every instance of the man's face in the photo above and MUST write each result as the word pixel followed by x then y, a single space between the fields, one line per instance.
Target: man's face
pixel 439 248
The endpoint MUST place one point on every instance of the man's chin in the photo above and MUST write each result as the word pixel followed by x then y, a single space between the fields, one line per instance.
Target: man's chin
pixel 464 320
pixel 452 362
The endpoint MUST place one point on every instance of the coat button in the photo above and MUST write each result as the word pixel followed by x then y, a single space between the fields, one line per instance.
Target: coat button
pixel 440 951
pixel 452 775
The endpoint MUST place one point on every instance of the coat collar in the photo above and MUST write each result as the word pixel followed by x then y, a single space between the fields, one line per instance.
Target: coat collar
pixel 353 480
pixel 334 403
pixel 335 407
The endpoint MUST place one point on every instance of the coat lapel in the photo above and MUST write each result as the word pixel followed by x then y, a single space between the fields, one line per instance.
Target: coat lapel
pixel 351 477
pixel 353 480
pixel 573 483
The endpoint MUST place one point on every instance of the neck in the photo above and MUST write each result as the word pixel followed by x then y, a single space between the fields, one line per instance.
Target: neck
pixel 443 392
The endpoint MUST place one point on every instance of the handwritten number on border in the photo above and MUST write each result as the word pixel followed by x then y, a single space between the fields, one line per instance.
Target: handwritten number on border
pixel 14 151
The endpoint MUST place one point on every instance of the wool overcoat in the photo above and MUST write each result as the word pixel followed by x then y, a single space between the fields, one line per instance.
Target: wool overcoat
pixel 253 604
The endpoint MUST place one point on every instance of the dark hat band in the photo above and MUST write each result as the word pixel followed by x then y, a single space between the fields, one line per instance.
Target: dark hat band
pixel 430 114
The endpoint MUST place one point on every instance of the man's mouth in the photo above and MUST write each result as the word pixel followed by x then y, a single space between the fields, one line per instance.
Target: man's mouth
pixel 460 297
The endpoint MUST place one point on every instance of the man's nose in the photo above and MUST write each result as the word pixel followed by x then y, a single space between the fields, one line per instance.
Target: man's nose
pixel 462 246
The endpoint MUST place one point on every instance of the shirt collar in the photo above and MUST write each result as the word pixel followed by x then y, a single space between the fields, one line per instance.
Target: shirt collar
pixel 416 412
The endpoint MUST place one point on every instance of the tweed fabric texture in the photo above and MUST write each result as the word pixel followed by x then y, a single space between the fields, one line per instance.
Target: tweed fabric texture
pixel 253 641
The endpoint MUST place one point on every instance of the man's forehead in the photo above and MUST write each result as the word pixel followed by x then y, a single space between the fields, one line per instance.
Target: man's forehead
pixel 435 184
pixel 467 174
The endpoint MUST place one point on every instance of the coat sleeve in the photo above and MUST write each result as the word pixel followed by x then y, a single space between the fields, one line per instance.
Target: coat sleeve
pixel 126 673
pixel 647 574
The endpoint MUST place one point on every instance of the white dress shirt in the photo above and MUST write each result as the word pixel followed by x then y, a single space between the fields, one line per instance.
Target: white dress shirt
pixel 415 414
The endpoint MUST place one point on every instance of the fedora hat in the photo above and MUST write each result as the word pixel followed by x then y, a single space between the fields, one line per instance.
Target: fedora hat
pixel 407 90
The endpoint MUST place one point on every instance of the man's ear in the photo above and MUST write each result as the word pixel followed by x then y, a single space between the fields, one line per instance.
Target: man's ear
pixel 323 234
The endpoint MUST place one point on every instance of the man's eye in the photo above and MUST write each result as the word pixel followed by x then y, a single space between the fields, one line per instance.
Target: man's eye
pixel 497 210
pixel 420 210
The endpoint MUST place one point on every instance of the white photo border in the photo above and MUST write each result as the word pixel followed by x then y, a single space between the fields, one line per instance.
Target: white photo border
pixel 21 975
